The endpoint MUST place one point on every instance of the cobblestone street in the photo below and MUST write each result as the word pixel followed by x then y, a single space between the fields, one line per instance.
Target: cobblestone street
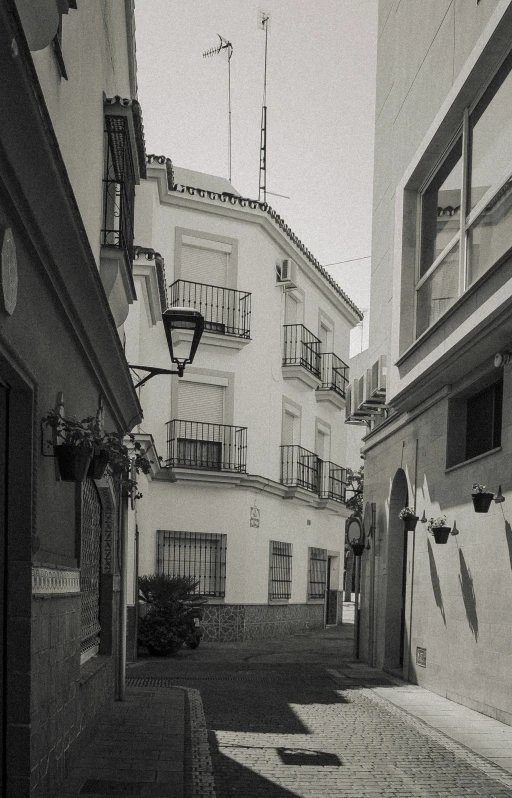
pixel 298 717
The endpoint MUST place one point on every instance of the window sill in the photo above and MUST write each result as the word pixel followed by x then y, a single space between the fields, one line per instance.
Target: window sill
pixel 472 460
pixel 278 601
pixel 315 601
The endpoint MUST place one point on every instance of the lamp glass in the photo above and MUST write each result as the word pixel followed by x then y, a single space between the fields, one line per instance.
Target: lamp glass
pixel 177 321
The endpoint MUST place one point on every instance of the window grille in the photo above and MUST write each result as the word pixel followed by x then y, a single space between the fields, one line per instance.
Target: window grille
pixel 118 188
pixel 200 555
pixel 317 573
pixel 280 570
pixel 90 567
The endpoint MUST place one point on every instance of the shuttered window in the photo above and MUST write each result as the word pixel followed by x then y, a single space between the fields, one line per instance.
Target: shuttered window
pixel 291 315
pixel 198 401
pixel 290 429
pixel 200 265
pixel 317 573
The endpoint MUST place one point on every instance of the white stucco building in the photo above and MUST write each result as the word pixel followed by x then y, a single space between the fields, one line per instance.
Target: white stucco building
pixel 440 315
pixel 250 496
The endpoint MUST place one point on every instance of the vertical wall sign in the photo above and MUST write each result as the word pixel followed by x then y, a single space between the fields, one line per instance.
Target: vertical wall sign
pixel 255 517
pixel 9 269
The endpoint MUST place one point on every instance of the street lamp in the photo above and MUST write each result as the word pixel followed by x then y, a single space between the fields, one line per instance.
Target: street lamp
pixel 354 533
pixel 176 322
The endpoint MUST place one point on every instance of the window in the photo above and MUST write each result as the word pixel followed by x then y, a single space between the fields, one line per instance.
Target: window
pixel 317 573
pixel 118 188
pixel 474 423
pixel 466 213
pixel 197 554
pixel 280 580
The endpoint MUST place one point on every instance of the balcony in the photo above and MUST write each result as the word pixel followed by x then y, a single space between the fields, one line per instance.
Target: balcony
pixel 301 468
pixel 226 312
pixel 334 376
pixel 208 447
pixel 301 357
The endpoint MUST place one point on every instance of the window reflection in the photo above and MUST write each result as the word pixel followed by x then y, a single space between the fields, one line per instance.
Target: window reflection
pixel 438 292
pixel 440 208
pixel 491 135
pixel 491 235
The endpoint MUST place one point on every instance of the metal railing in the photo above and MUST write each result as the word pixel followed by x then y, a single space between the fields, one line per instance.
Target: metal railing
pixel 200 555
pixel 333 481
pixel 300 468
pixel 304 469
pixel 118 188
pixel 301 348
pixel 225 311
pixel 334 374
pixel 210 447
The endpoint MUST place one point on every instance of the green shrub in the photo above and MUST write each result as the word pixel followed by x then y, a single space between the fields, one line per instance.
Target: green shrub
pixel 168 601
pixel 161 636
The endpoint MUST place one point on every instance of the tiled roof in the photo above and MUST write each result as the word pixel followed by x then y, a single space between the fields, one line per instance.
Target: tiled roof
pixel 138 125
pixel 150 254
pixel 253 204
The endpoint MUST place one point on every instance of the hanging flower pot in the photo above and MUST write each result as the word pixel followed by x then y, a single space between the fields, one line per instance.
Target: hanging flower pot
pixel 481 498
pixel 98 464
pixel 441 534
pixel 73 461
pixel 410 519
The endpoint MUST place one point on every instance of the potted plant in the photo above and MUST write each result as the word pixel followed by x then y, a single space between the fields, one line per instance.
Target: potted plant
pixel 439 529
pixel 74 446
pixel 409 517
pixel 481 498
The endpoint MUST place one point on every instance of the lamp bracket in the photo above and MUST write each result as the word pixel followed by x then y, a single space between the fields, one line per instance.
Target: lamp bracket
pixel 153 371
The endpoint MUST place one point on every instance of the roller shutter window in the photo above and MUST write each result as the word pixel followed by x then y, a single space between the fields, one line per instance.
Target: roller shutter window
pixel 200 430
pixel 290 429
pixel 207 266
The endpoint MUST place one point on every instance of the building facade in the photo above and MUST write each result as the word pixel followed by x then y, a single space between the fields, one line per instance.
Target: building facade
pixel 70 157
pixel 250 498
pixel 441 327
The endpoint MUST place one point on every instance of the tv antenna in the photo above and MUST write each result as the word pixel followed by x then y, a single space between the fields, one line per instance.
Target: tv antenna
pixel 225 49
pixel 263 23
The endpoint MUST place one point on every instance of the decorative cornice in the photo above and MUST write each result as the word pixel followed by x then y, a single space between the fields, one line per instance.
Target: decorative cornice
pixel 54 582
pixel 252 204
pixel 150 254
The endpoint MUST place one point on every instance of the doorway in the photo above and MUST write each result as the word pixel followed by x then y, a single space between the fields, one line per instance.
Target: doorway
pixel 396 581
pixel 331 604
pixel 4 412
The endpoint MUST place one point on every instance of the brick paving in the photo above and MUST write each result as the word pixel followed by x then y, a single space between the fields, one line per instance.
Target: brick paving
pixel 289 717
pixel 283 721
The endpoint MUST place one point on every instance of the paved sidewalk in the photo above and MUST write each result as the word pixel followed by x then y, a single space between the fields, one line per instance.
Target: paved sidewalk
pixel 138 750
pixel 294 716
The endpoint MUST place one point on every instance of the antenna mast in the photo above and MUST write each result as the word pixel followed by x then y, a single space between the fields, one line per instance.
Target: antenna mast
pixel 263 21
pixel 226 48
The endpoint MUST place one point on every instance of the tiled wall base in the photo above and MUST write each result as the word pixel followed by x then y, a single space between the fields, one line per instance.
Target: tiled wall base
pixel 235 622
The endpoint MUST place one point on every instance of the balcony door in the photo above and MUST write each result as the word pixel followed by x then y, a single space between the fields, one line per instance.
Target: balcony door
pixel 209 267
pixel 201 414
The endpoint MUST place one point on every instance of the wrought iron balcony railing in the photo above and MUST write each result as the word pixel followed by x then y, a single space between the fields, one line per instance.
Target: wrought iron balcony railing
pixel 225 311
pixel 301 348
pixel 333 481
pixel 210 447
pixel 300 468
pixel 118 188
pixel 304 469
pixel 334 374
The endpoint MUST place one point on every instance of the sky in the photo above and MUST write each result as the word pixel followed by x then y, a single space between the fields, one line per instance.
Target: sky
pixel 321 72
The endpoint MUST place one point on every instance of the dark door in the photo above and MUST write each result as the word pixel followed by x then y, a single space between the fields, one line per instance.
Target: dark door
pixel 402 610
pixel 332 597
pixel 4 410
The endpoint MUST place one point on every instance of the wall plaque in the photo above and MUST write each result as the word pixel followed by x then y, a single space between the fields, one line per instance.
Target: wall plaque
pixel 421 657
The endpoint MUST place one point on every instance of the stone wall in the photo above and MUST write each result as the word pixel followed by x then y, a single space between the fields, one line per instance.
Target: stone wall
pixel 236 622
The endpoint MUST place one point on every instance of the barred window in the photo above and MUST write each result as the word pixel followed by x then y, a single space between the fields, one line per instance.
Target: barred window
pixel 317 573
pixel 118 187
pixel 197 554
pixel 280 582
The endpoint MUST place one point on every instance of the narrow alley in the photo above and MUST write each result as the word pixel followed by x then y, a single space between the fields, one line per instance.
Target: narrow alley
pixel 296 716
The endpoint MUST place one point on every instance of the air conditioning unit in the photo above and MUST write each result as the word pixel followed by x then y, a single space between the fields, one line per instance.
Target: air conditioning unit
pixel 379 378
pixel 371 400
pixel 357 413
pixel 286 273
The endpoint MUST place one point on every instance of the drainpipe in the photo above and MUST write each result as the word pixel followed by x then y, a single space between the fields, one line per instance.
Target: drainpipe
pixel 121 659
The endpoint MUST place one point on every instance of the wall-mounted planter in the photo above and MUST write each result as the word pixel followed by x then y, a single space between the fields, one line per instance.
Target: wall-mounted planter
pixel 441 534
pixel 73 461
pixel 410 522
pixel 482 501
pixel 98 464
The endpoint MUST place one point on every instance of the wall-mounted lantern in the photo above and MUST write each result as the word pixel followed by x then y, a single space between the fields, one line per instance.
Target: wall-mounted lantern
pixel 176 322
